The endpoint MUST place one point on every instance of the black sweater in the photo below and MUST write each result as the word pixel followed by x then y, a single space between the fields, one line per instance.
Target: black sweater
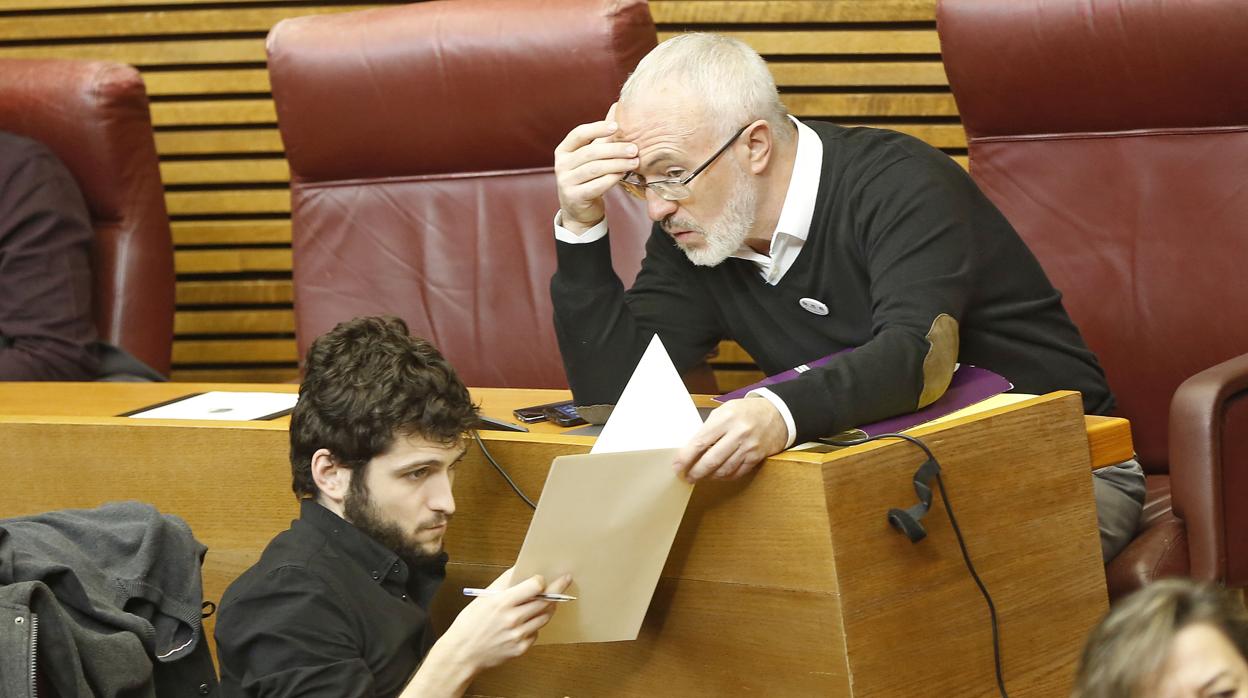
pixel 899 235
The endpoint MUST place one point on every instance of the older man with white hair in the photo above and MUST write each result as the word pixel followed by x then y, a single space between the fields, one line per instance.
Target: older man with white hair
pixel 799 240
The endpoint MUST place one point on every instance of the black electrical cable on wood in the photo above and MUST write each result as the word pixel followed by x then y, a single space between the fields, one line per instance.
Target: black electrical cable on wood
pixel 957 532
pixel 502 472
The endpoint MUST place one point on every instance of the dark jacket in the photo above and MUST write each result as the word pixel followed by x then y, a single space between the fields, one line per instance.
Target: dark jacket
pixel 109 600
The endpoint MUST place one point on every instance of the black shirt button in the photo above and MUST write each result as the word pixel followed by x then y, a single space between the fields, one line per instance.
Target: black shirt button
pixel 204 689
pixel 376 575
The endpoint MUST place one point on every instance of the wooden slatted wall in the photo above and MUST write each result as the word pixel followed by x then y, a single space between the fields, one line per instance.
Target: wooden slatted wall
pixel 851 61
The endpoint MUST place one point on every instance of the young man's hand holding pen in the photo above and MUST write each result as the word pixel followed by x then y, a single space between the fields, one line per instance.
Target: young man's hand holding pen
pixel 501 624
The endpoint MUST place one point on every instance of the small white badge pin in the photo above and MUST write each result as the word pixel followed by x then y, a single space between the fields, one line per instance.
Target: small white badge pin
pixel 813 306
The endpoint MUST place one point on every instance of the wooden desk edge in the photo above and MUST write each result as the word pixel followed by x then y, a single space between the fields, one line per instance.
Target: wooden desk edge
pixel 1109 438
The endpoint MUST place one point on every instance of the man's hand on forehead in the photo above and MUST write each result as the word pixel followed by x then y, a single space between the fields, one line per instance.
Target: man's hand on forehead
pixel 588 162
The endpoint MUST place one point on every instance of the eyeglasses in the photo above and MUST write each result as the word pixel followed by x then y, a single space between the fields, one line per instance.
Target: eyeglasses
pixel 676 188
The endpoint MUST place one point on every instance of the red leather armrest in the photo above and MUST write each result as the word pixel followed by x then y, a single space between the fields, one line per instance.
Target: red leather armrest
pixel 1208 445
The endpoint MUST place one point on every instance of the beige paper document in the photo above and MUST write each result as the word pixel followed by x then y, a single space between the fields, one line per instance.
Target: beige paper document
pixel 609 517
pixel 609 520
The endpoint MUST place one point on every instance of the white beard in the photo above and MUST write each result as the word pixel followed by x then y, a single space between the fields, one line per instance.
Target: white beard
pixel 728 233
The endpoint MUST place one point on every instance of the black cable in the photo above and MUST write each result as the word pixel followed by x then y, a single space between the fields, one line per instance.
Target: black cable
pixel 507 477
pixel 957 532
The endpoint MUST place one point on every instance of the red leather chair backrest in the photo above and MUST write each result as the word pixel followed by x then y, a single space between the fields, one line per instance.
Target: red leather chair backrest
pixel 1114 137
pixel 94 117
pixel 421 145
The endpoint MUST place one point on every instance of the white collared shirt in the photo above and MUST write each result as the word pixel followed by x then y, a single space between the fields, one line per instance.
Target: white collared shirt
pixel 792 229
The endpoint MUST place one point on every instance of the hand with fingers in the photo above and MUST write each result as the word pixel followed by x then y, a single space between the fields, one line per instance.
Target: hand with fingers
pixel 588 162
pixel 489 631
pixel 502 626
pixel 733 441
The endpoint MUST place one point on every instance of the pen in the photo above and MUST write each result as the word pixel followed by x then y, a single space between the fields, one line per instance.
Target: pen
pixel 469 591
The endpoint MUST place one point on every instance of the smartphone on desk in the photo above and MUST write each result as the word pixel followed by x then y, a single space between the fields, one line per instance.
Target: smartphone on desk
pixel 564 415
pixel 537 413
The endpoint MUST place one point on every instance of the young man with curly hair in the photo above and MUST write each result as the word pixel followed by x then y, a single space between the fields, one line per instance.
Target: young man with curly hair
pixel 338 605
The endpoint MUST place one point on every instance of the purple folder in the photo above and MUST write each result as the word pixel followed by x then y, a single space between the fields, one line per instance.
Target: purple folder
pixel 970 384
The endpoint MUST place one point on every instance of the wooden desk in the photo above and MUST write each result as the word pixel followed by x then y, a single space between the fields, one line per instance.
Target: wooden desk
pixel 1109 438
pixel 787 583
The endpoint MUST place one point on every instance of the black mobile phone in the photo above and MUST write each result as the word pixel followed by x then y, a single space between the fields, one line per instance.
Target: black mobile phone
pixel 564 415
pixel 537 413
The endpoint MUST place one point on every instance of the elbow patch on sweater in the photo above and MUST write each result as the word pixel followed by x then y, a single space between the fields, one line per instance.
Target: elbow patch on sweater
pixel 942 357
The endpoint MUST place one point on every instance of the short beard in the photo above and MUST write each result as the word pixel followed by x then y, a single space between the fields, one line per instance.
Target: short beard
pixel 722 238
pixel 362 513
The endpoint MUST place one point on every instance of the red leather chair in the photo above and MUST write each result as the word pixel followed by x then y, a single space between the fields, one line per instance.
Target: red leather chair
pixel 421 146
pixel 94 117
pixel 1114 136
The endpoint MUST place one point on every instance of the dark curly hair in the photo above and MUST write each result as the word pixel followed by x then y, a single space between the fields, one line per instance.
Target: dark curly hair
pixel 366 382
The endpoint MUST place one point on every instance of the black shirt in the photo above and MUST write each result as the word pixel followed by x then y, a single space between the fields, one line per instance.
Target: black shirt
pixel 327 611
pixel 900 236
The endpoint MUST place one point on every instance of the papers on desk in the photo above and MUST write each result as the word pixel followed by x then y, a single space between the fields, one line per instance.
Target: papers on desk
pixel 609 517
pixel 221 405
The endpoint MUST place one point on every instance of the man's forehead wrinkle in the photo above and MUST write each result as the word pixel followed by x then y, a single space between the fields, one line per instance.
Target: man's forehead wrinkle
pixel 661 129
pixel 660 137
pixel 661 116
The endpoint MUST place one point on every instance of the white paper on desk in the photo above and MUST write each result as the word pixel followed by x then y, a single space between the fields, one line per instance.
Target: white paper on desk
pixel 609 517
pixel 654 411
pixel 223 405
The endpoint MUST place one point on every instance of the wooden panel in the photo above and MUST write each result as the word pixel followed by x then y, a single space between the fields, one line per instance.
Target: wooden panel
pixel 166 467
pixel 227 202
pixel 731 353
pixel 709 546
pixel 235 375
pixel 790 11
pixel 212 351
pixel 108 399
pixel 231 321
pixel 107 4
pixel 663 11
pixel 226 111
pixel 192 142
pixel 916 73
pixel 207 82
pixel 938 135
pixel 1109 440
pixel 230 232
pixel 1045 521
pixel 791 638
pixel 104 399
pixel 835 41
pixel 231 261
pixel 154 23
pixel 143 53
pixel 233 292
pixel 872 104
pixel 266 170
pixel 704 635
